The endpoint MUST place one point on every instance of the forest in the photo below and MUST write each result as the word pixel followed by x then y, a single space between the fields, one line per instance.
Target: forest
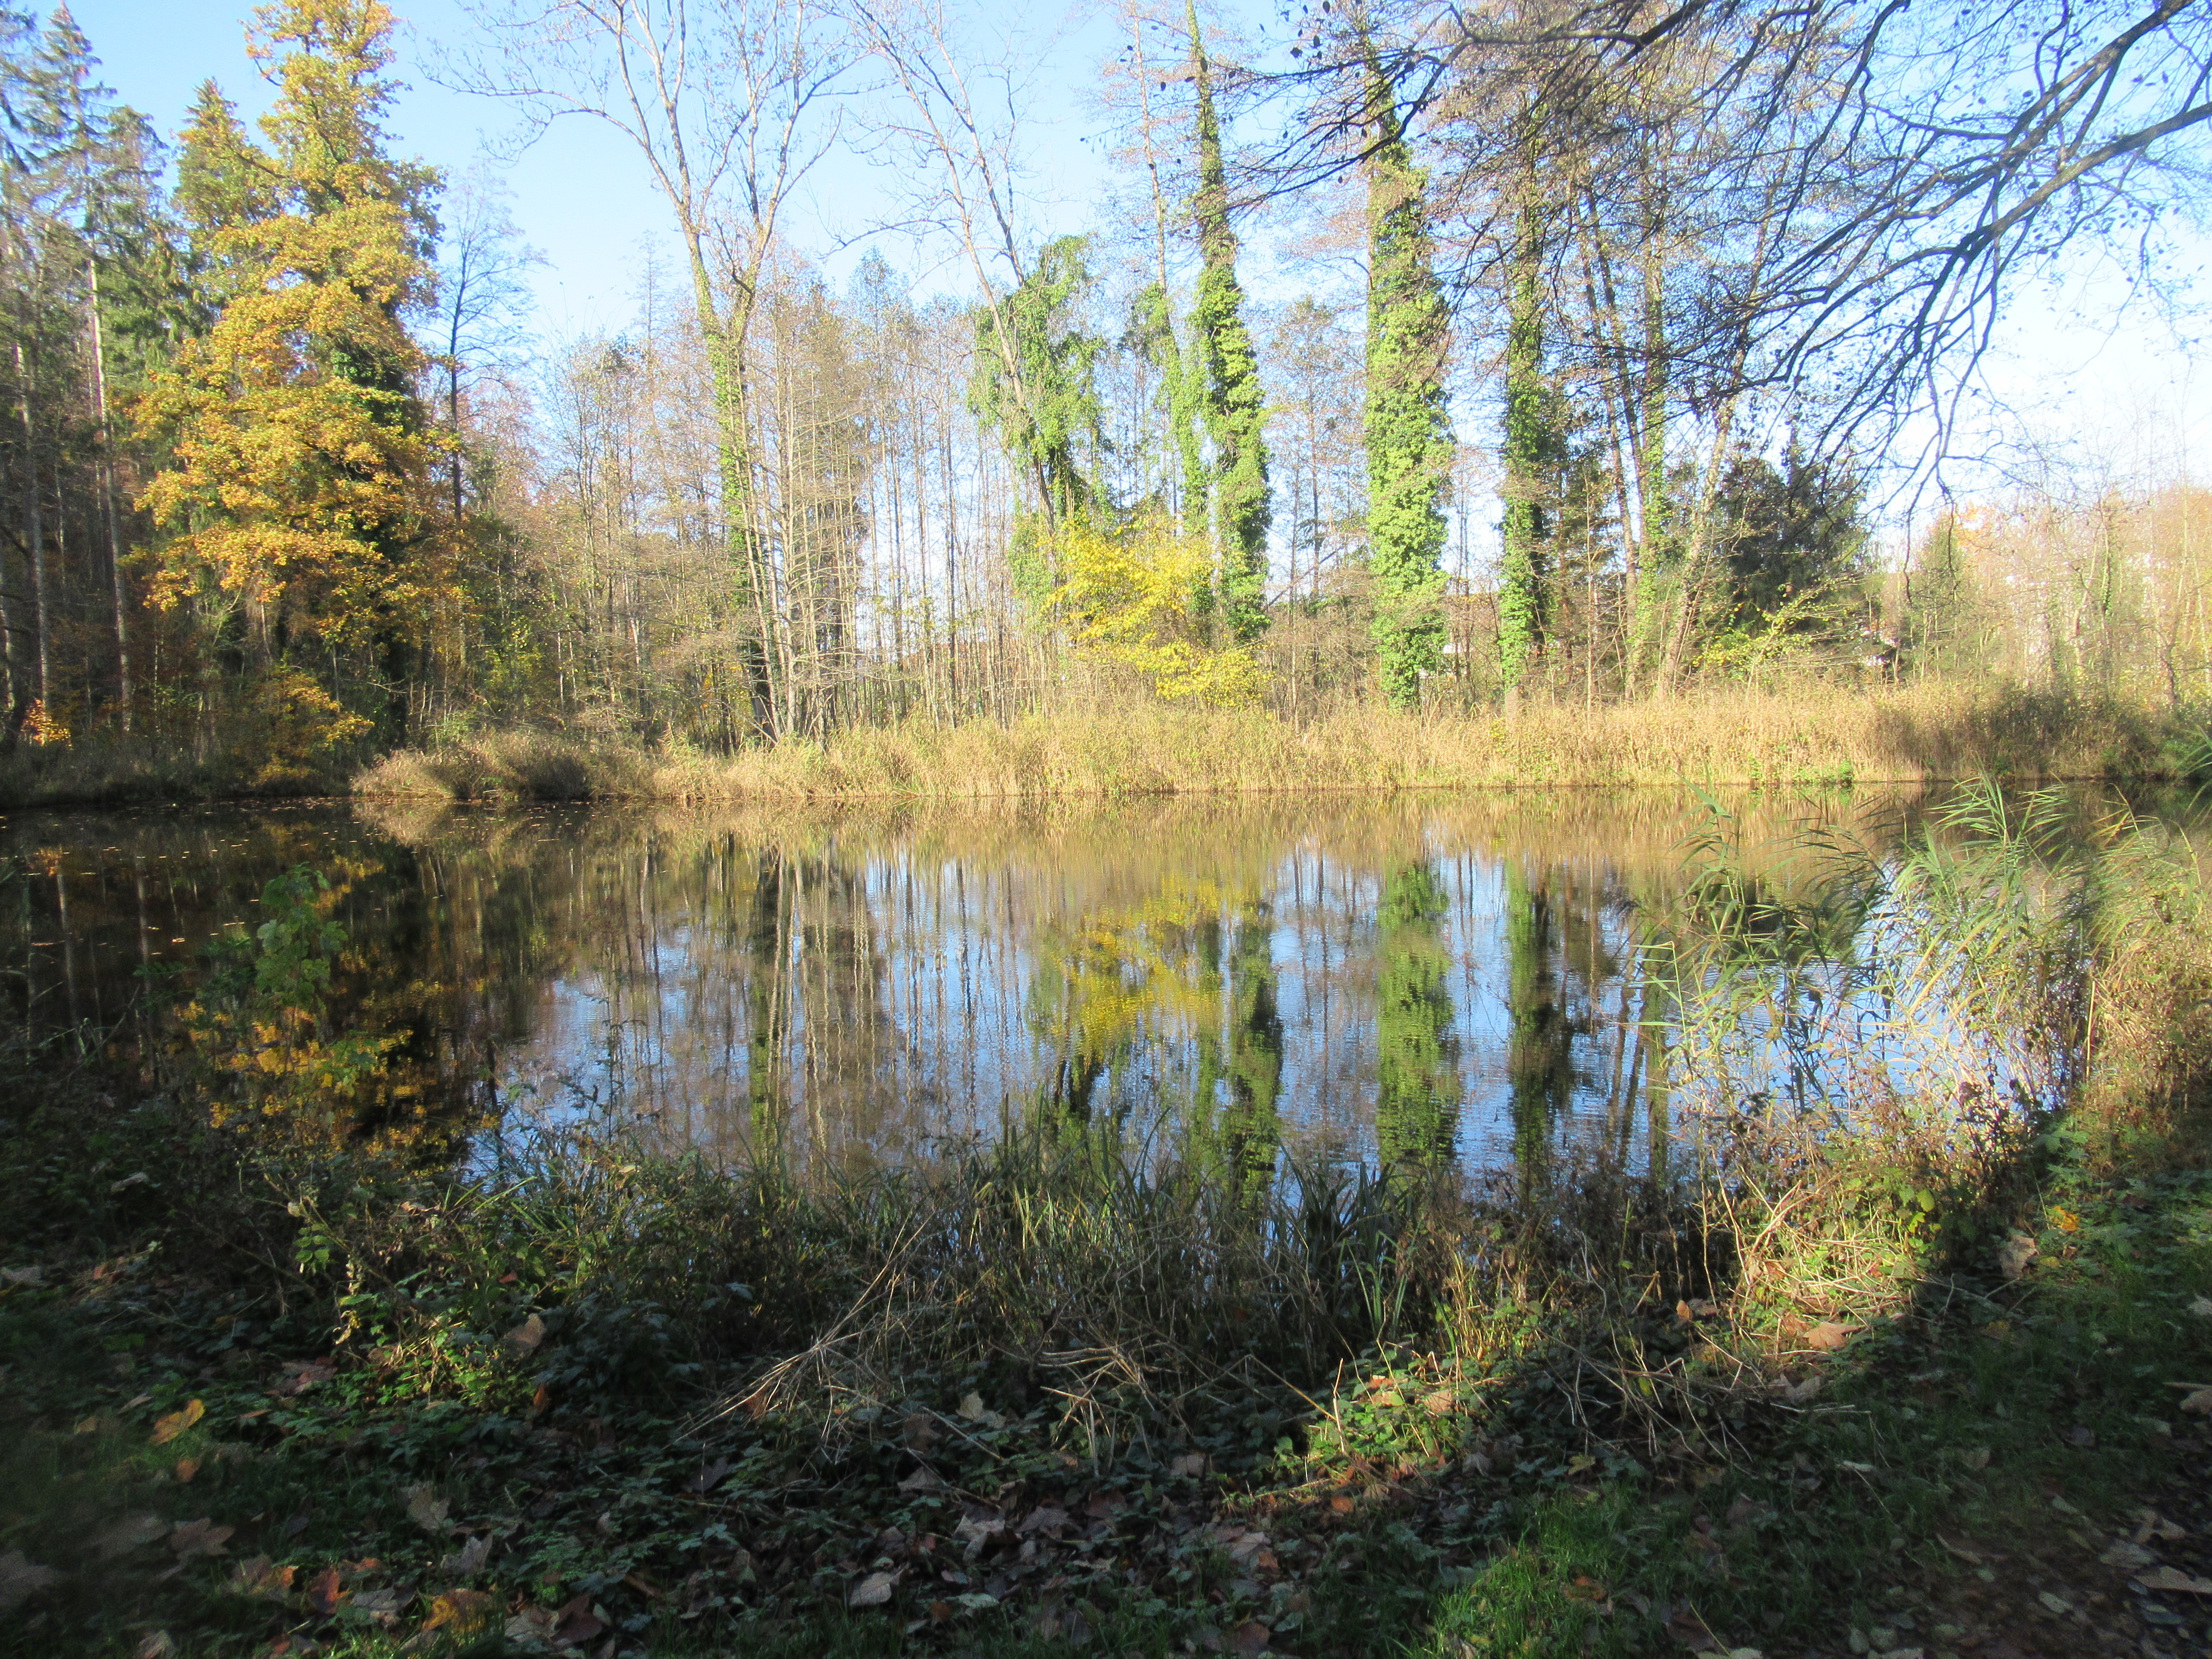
pixel 1534 356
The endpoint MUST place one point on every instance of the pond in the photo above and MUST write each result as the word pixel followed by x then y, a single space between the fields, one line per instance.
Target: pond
pixel 1458 977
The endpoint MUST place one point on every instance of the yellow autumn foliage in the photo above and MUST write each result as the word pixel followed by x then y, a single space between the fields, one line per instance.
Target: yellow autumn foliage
pixel 1133 596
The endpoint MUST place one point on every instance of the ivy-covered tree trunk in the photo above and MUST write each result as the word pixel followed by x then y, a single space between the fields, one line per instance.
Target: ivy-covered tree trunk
pixel 1409 442
pixel 1417 1057
pixel 1236 408
pixel 1524 592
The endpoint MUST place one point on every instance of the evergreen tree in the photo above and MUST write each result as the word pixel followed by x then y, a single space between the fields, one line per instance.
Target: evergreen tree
pixel 1236 409
pixel 1409 442
pixel 299 482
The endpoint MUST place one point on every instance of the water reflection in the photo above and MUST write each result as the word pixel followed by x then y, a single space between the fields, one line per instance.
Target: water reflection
pixel 1414 981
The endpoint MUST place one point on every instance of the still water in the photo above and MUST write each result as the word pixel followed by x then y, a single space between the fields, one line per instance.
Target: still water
pixel 1441 975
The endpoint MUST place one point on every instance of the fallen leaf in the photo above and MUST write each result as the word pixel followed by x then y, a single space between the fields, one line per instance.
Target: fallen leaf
pixel 523 1338
pixel 1973 1556
pixel 710 1477
pixel 2173 1579
pixel 1975 1457
pixel 461 1610
pixel 301 1375
pixel 385 1603
pixel 1190 1463
pixel 2013 1259
pixel 2154 1525
pixel 918 1431
pixel 468 1561
pixel 2198 1404
pixel 1045 1517
pixel 324 1593
pixel 259 1576
pixel 972 1408
pixel 426 1509
pixel 2202 1307
pixel 1249 1638
pixel 200 1537
pixel 575 1622
pixel 187 1468
pixel 1829 1336
pixel 126 1533
pixel 21 1579
pixel 1686 1627
pixel 156 1644
pixel 167 1429
pixel 2057 1604
pixel 924 1478
pixel 2129 1557
pixel 873 1591
pixel 1798 1393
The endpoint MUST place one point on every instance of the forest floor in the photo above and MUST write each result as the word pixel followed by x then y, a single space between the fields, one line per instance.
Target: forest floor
pixel 2007 1457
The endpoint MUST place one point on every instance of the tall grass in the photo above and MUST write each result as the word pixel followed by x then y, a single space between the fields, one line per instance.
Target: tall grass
pixel 1823 734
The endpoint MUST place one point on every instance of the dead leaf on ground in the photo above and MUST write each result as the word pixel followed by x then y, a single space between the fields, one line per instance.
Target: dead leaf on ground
pixel 576 1622
pixel 2013 1259
pixel 2152 1524
pixel 324 1593
pixel 126 1533
pixel 426 1509
pixel 468 1561
pixel 1973 1556
pixel 2202 1307
pixel 924 1478
pixel 523 1338
pixel 301 1375
pixel 167 1429
pixel 187 1468
pixel 21 1579
pixel 259 1576
pixel 710 1477
pixel 874 1590
pixel 1249 1638
pixel 1686 1627
pixel 1975 1457
pixel 461 1610
pixel 385 1603
pixel 918 1431
pixel 1829 1336
pixel 2198 1404
pixel 2127 1556
pixel 200 1537
pixel 2173 1579
pixel 1189 1464
pixel 972 1408
pixel 156 1644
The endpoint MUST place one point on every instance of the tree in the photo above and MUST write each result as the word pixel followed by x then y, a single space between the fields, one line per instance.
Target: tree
pixel 1417 1057
pixel 1235 407
pixel 719 98
pixel 299 477
pixel 1409 444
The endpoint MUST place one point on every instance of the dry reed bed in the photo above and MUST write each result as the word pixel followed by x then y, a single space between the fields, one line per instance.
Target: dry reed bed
pixel 1908 735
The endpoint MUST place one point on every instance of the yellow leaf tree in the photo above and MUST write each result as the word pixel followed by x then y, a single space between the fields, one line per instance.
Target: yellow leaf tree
pixel 1126 596
pixel 296 501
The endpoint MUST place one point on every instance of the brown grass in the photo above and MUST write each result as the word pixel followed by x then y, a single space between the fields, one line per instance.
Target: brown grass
pixel 1911 735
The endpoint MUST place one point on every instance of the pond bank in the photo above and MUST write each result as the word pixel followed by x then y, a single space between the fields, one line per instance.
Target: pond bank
pixel 1812 735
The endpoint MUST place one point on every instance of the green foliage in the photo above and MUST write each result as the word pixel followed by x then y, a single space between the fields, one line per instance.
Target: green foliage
pixel 1036 381
pixel 1235 406
pixel 1533 448
pixel 1408 430
pixel 1417 1060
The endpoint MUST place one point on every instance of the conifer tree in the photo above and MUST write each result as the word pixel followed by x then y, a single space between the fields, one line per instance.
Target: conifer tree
pixel 1409 443
pixel 1236 409
pixel 299 482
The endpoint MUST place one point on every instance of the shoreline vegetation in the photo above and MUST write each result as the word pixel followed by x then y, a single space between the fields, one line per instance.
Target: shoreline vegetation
pixel 1815 736
pixel 281 1381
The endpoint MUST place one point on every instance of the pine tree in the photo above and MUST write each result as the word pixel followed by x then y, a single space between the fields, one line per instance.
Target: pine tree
pixel 1409 443
pixel 301 471
pixel 1236 408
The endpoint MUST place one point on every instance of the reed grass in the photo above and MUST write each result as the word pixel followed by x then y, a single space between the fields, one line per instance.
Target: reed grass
pixel 1822 735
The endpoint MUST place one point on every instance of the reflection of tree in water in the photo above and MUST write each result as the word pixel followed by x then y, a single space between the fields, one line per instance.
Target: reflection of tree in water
pixel 1417 1058
pixel 1243 1047
pixel 1187 971
pixel 1558 961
